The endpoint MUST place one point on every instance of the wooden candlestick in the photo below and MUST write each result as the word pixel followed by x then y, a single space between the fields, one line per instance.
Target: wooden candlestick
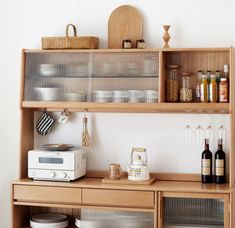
pixel 166 37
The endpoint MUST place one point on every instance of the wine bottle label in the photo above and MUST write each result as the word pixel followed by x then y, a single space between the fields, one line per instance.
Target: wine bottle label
pixel 219 167
pixel 206 167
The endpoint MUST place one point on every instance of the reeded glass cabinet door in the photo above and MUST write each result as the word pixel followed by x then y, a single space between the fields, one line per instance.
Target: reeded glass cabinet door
pixel 92 76
pixel 181 210
pixel 94 218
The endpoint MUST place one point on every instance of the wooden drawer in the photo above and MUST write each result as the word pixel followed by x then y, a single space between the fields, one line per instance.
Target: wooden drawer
pixel 138 199
pixel 47 194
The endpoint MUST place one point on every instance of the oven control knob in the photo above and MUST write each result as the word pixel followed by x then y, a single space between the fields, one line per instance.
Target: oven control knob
pixel 63 175
pixel 52 174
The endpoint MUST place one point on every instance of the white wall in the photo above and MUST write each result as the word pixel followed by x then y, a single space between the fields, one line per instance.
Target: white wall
pixel 195 23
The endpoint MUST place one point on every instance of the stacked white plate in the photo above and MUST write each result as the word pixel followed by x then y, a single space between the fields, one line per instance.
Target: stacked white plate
pixel 135 96
pixel 49 220
pixel 151 96
pixel 120 96
pixel 79 97
pixel 103 96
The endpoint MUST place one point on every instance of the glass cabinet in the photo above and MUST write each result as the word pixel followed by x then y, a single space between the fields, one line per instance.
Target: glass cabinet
pixel 92 77
pixel 193 210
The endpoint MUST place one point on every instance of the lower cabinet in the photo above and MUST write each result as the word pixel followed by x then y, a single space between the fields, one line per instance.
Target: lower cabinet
pixel 178 210
pixel 122 208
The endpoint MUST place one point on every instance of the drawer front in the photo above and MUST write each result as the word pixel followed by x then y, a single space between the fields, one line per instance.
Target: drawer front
pixel 138 199
pixel 47 194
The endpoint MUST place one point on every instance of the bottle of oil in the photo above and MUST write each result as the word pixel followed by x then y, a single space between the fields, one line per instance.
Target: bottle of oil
pixel 204 89
pixel 213 89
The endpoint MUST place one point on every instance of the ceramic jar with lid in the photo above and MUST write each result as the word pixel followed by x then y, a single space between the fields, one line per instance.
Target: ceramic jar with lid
pixel 172 83
pixel 126 44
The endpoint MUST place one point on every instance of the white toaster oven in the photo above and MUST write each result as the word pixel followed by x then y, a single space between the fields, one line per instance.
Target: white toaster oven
pixel 56 165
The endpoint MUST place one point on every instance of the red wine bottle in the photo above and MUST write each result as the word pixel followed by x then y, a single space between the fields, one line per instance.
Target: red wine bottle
pixel 206 164
pixel 220 164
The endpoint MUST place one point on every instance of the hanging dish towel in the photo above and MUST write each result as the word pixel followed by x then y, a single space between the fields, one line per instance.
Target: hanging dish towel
pixel 44 124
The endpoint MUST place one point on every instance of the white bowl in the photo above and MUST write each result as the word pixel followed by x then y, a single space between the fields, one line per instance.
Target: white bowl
pixel 50 70
pixel 48 93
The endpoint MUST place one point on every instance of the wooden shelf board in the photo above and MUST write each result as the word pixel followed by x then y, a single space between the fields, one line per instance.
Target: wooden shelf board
pixel 133 50
pixel 220 49
pixel 169 186
pixel 207 108
pixel 103 50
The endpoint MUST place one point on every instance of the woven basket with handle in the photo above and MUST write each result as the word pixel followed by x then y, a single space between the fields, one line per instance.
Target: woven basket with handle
pixel 70 42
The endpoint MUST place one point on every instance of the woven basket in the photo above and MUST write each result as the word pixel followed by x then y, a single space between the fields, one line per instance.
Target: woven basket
pixel 70 42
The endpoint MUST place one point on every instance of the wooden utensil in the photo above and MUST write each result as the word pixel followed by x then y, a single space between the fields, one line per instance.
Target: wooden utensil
pixel 85 134
pixel 166 37
pixel 125 22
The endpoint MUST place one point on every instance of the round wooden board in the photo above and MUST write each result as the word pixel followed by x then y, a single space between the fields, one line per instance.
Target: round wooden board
pixel 125 22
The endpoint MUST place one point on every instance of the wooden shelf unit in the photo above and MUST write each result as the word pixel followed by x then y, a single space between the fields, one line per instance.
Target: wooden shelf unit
pixel 29 197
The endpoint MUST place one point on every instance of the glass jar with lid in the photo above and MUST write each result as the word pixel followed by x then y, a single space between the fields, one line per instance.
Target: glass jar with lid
pixel 172 83
pixel 186 90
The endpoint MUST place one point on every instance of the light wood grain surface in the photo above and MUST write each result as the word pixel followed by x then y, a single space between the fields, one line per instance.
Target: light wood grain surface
pixel 96 183
pixel 125 22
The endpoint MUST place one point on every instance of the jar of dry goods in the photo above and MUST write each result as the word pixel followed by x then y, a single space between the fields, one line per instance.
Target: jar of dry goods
pixel 172 83
pixel 186 91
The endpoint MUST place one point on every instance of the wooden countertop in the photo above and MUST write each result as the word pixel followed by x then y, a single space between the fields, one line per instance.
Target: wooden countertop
pixel 168 186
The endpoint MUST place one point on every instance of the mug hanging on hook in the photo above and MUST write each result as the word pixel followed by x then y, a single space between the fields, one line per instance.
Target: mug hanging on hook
pixel 64 116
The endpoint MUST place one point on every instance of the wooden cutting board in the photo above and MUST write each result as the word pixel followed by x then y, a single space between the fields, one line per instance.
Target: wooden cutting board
pixel 124 180
pixel 125 22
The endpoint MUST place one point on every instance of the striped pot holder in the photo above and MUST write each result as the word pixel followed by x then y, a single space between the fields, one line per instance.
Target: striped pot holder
pixel 44 124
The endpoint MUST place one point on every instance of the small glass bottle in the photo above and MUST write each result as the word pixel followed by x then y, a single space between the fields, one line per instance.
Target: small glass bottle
pixel 204 89
pixel 186 92
pixel 226 75
pixel 213 89
pixel 197 87
pixel 172 83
